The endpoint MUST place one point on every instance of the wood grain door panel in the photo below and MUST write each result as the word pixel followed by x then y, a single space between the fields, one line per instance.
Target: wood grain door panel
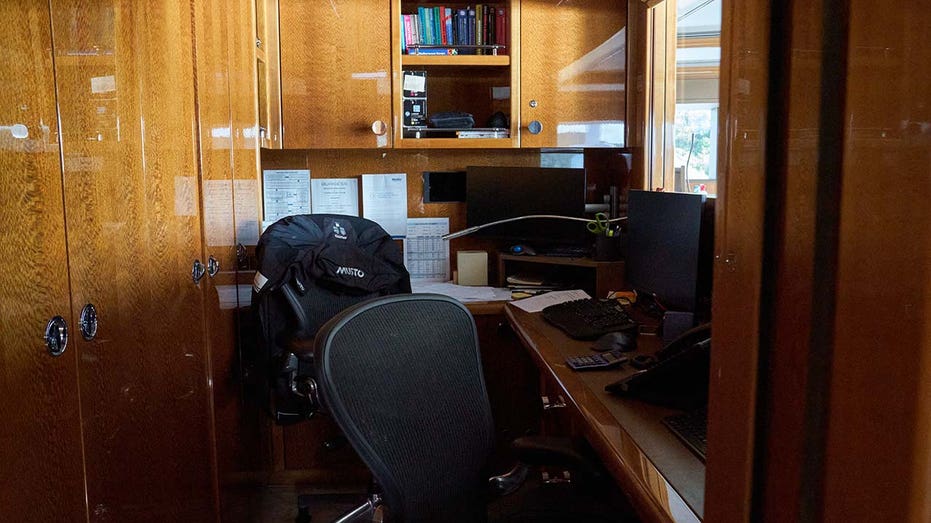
pixel 335 73
pixel 126 83
pixel 40 433
pixel 572 72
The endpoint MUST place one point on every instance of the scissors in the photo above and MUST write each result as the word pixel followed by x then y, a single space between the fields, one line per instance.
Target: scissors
pixel 600 225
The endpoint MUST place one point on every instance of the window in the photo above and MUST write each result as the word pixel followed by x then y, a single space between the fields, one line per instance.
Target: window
pixel 683 63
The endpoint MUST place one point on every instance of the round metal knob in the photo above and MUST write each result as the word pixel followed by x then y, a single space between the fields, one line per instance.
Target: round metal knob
pixel 379 128
pixel 535 127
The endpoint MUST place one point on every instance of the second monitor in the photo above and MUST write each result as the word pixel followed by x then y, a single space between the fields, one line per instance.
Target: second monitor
pixel 496 193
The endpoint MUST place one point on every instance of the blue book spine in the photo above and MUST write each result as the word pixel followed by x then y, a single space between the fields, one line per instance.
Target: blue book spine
pixel 462 21
pixel 448 18
pixel 471 29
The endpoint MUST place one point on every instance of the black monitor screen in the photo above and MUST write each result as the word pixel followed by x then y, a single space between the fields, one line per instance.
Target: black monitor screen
pixel 665 247
pixel 498 193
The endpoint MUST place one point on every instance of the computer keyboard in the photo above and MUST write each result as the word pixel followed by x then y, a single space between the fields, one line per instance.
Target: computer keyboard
pixel 588 319
pixel 691 429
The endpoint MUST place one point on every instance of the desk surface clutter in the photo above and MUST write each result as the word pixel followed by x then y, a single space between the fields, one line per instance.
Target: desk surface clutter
pixel 663 478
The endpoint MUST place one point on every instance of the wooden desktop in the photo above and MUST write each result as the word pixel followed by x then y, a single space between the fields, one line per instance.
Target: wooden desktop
pixel 664 480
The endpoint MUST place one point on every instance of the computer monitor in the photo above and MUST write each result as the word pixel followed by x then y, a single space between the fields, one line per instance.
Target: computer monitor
pixel 497 193
pixel 669 249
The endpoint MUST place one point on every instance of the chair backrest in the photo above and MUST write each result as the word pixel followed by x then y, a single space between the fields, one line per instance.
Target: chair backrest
pixel 402 377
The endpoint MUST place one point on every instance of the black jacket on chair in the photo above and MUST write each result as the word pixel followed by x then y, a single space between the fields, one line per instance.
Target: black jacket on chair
pixel 310 267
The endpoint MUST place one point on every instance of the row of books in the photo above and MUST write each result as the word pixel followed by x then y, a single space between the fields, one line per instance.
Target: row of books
pixel 481 24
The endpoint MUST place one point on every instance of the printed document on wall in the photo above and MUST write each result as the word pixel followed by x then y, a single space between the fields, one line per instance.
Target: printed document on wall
pixel 384 201
pixel 426 254
pixel 285 193
pixel 335 196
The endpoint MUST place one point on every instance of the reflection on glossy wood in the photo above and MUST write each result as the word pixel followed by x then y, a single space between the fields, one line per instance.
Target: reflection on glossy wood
pixel 573 64
pixel 40 439
pixel 133 230
pixel 336 77
pixel 878 456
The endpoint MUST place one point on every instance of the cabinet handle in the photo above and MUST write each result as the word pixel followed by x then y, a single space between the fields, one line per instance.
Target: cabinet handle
pixel 379 128
pixel 88 322
pixel 198 270
pixel 213 266
pixel 535 127
pixel 56 336
pixel 548 405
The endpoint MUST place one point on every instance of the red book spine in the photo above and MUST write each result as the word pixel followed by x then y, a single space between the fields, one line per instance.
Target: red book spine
pixel 408 31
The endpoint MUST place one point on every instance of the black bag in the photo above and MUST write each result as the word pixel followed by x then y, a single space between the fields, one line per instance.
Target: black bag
pixel 311 267
pixel 452 120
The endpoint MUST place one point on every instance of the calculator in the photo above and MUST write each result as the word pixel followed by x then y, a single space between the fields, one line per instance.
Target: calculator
pixel 602 360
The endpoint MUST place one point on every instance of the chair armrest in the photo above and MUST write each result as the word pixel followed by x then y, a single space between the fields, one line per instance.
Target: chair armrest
pixel 302 346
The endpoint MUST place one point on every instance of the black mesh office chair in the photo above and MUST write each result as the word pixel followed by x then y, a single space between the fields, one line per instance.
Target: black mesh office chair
pixel 402 377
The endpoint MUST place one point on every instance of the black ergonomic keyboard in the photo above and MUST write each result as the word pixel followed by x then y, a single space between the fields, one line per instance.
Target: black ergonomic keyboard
pixel 692 428
pixel 588 319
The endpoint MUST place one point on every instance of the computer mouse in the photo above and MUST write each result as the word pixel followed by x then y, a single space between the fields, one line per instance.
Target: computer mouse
pixel 522 250
pixel 622 341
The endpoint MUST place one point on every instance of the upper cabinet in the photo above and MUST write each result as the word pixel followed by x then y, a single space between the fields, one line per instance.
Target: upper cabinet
pixel 419 74
pixel 455 74
pixel 572 73
pixel 335 73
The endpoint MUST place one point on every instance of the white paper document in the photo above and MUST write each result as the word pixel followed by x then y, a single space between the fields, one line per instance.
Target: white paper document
pixel 542 301
pixel 426 254
pixel 335 196
pixel 384 201
pixel 285 193
pixel 461 292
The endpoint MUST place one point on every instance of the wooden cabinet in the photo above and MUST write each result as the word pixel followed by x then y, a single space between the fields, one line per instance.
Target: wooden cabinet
pixel 125 83
pixel 43 478
pixel 106 210
pixel 480 82
pixel 336 74
pixel 573 63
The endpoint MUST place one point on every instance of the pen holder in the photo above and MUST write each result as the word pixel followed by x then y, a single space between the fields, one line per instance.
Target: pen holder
pixel 607 248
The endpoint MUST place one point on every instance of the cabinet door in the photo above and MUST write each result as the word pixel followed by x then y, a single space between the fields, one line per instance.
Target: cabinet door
pixel 335 74
pixel 572 73
pixel 40 438
pixel 125 78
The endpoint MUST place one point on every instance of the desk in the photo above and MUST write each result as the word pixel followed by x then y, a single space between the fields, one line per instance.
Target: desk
pixel 664 480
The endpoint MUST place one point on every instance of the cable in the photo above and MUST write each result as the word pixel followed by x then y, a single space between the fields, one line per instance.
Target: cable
pixel 470 230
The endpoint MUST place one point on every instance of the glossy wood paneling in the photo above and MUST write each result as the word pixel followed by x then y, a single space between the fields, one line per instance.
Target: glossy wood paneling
pixel 573 64
pixel 738 260
pixel 268 70
pixel 789 300
pixel 335 73
pixel 878 454
pixel 125 76
pixel 40 433
pixel 237 423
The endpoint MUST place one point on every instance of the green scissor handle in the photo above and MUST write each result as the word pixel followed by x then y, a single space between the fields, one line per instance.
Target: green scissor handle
pixel 599 225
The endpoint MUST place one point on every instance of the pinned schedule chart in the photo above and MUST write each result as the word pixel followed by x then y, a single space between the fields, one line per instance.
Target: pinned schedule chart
pixel 426 254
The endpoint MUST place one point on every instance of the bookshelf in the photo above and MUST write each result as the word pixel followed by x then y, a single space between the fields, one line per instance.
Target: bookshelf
pixel 595 277
pixel 477 76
